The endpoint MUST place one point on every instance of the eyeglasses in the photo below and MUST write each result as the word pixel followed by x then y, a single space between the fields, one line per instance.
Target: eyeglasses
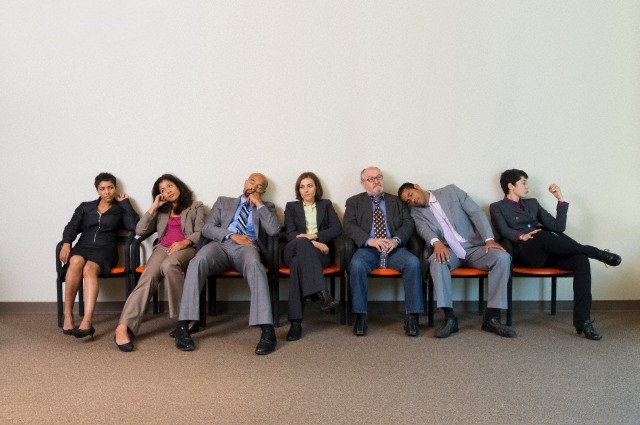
pixel 377 178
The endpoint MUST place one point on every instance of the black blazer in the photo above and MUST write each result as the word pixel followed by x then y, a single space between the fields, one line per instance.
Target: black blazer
pixel 358 218
pixel 510 221
pixel 329 226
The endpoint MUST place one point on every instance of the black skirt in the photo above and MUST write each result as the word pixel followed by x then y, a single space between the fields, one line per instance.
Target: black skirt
pixel 106 258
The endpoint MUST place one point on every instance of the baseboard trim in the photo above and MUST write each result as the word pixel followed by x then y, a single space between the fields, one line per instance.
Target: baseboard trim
pixel 243 306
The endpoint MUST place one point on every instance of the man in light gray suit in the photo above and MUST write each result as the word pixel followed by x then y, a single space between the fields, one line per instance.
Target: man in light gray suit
pixel 458 233
pixel 233 227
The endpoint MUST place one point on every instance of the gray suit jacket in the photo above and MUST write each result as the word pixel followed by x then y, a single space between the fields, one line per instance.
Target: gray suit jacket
pixel 510 221
pixel 191 220
pixel 464 214
pixel 265 220
pixel 358 218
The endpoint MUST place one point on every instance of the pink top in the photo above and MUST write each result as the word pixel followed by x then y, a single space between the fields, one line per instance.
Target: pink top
pixel 173 233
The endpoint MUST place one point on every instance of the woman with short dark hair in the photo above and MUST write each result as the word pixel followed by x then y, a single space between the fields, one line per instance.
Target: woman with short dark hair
pixel 538 241
pixel 97 222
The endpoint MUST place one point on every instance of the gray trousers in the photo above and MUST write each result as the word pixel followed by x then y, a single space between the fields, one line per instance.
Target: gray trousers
pixel 216 257
pixel 497 262
pixel 160 265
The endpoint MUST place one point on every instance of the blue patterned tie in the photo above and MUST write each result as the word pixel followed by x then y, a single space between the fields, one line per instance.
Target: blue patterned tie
pixel 243 219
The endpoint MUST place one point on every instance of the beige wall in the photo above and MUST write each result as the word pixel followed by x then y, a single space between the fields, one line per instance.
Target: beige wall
pixel 433 92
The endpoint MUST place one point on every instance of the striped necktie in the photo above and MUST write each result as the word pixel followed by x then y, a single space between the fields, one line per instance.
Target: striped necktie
pixel 243 219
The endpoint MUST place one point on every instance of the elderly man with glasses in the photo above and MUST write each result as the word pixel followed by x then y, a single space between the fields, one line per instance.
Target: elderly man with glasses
pixel 380 225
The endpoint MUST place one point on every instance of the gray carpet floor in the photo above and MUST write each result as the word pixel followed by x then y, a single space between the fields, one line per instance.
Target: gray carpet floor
pixel 547 375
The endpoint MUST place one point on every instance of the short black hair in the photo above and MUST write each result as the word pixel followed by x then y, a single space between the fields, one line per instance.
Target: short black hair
pixel 511 176
pixel 104 177
pixel 404 187
pixel 184 200
pixel 316 181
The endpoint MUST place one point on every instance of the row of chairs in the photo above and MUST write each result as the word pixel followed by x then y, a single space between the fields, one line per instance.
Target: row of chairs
pixel 337 270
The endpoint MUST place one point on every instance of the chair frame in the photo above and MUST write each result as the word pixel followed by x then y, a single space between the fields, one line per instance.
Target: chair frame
pixel 457 273
pixel 540 272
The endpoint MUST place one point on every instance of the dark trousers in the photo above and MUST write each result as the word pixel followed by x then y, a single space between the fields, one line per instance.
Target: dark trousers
pixel 306 263
pixel 548 249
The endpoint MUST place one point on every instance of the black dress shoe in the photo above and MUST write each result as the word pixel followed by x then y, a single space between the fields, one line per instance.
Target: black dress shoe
pixel 494 325
pixel 327 301
pixel 588 329
pixel 295 331
pixel 609 258
pixel 193 329
pixel 68 331
pixel 411 325
pixel 267 343
pixel 81 333
pixel 450 326
pixel 360 327
pixel 126 347
pixel 183 339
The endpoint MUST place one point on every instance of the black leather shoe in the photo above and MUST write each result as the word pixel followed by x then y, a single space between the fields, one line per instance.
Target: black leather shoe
pixel 609 258
pixel 328 302
pixel 81 333
pixel 68 331
pixel 588 329
pixel 295 331
pixel 411 325
pixel 494 325
pixel 267 343
pixel 183 339
pixel 360 327
pixel 126 347
pixel 450 326
pixel 193 329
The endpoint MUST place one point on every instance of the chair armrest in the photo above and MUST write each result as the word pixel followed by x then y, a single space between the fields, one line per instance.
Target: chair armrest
pixel 132 250
pixel 347 248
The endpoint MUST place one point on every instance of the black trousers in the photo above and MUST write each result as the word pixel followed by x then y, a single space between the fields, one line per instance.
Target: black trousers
pixel 306 263
pixel 548 249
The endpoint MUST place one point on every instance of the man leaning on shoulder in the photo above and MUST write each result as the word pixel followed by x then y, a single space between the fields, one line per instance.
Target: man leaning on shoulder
pixel 458 233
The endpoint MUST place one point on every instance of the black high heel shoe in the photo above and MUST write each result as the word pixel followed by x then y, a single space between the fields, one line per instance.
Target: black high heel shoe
pixel 588 329
pixel 68 331
pixel 127 347
pixel 81 333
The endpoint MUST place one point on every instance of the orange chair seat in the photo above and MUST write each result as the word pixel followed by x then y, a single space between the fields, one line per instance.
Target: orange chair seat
pixel 468 272
pixel 540 271
pixel 385 272
pixel 331 269
pixel 117 270
pixel 140 269
pixel 233 273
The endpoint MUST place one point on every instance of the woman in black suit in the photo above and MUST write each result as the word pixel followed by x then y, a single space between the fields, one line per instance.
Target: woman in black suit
pixel 97 222
pixel 538 241
pixel 311 224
